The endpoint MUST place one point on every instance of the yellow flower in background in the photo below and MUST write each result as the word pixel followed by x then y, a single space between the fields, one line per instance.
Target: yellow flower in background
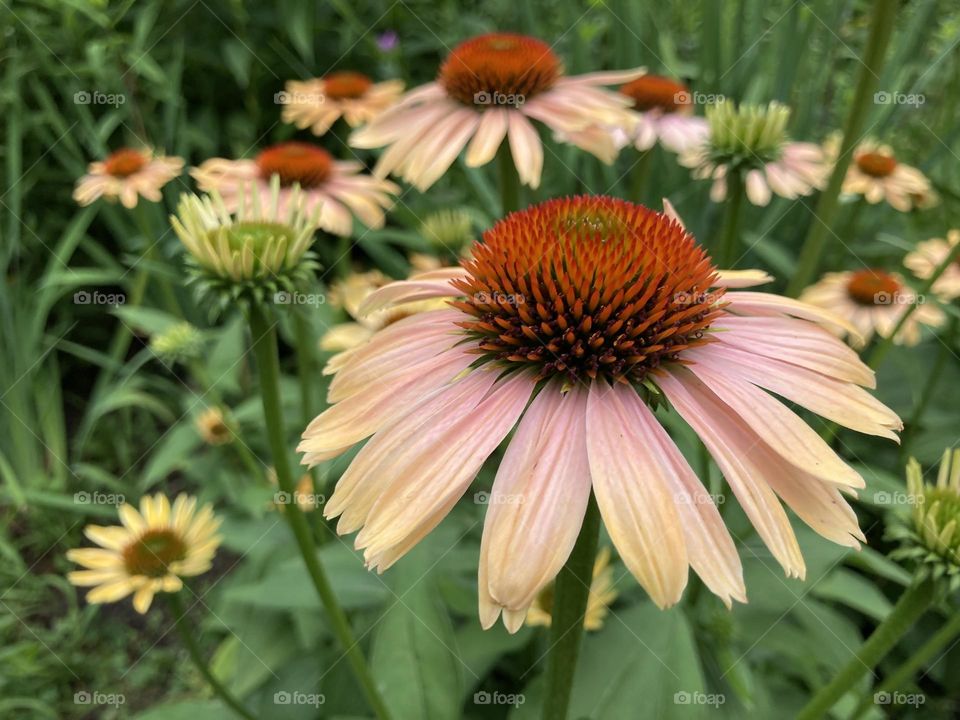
pixel 318 103
pixel 127 175
pixel 351 292
pixel 213 427
pixel 303 494
pixel 150 553
pixel 878 175
pixel 602 595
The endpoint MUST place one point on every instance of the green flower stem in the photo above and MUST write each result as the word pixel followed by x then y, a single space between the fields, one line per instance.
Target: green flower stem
pixel 901 676
pixel 190 642
pixel 306 364
pixel 911 605
pixel 884 12
pixel 265 350
pixel 509 180
pixel 883 346
pixel 727 249
pixel 571 593
pixel 930 385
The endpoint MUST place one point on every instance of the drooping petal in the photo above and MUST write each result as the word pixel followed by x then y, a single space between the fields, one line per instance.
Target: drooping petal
pixel 636 505
pixel 536 506
pixel 526 148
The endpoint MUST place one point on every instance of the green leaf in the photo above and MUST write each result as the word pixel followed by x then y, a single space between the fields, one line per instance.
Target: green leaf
pixel 414 654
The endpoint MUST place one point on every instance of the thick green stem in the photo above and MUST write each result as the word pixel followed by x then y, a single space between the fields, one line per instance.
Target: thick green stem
pixel 190 642
pixel 883 346
pixel 265 351
pixel 884 12
pixel 728 247
pixel 901 676
pixel 911 605
pixel 305 365
pixel 569 607
pixel 509 180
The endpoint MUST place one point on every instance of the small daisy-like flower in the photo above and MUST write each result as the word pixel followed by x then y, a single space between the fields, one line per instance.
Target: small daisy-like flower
pixel 149 553
pixel 260 247
pixel 666 114
pixel 351 293
pixel 488 89
pixel 928 256
pixel 602 594
pixel 334 188
pixel 573 322
pixel 127 175
pixel 213 427
pixel 932 539
pixel 181 341
pixel 876 174
pixel 751 141
pixel 317 104
pixel 873 301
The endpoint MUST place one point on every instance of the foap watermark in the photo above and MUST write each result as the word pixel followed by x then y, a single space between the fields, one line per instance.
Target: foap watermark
pixel 882 97
pixel 498 98
pixel 495 498
pixel 95 97
pixel 700 498
pixel 498 298
pixel 95 697
pixel 899 698
pixel 691 97
pixel 884 497
pixel 498 698
pixel 895 298
pixel 286 97
pixel 95 297
pixel 299 298
pixel 98 498
pixel 695 298
pixel 300 498
pixel 283 697
pixel 699 698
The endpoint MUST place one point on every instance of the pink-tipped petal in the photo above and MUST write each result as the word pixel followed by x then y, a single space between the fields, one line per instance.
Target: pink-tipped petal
pixel 636 505
pixel 754 303
pixel 537 503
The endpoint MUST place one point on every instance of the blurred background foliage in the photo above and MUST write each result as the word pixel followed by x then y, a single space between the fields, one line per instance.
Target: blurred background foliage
pixel 87 407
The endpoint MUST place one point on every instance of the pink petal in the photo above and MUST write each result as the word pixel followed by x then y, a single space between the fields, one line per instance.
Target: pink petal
pixel 637 507
pixel 490 134
pixel 526 148
pixel 755 303
pixel 536 507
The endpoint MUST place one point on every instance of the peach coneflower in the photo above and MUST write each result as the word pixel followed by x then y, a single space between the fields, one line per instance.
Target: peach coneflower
pixel 573 321
pixel 489 88
pixel 337 188
pixel 318 103
pixel 665 107
pixel 751 140
pixel 150 553
pixel 928 256
pixel 878 175
pixel 873 301
pixel 127 175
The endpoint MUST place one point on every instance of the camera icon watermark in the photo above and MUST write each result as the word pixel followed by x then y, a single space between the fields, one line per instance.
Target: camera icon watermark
pixel 498 298
pixel 299 298
pixel 98 498
pixel 300 498
pixel 85 297
pixel 286 97
pixel 700 498
pixel 883 497
pixel 882 97
pixel 496 97
pixel 283 697
pixel 483 697
pixel 95 97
